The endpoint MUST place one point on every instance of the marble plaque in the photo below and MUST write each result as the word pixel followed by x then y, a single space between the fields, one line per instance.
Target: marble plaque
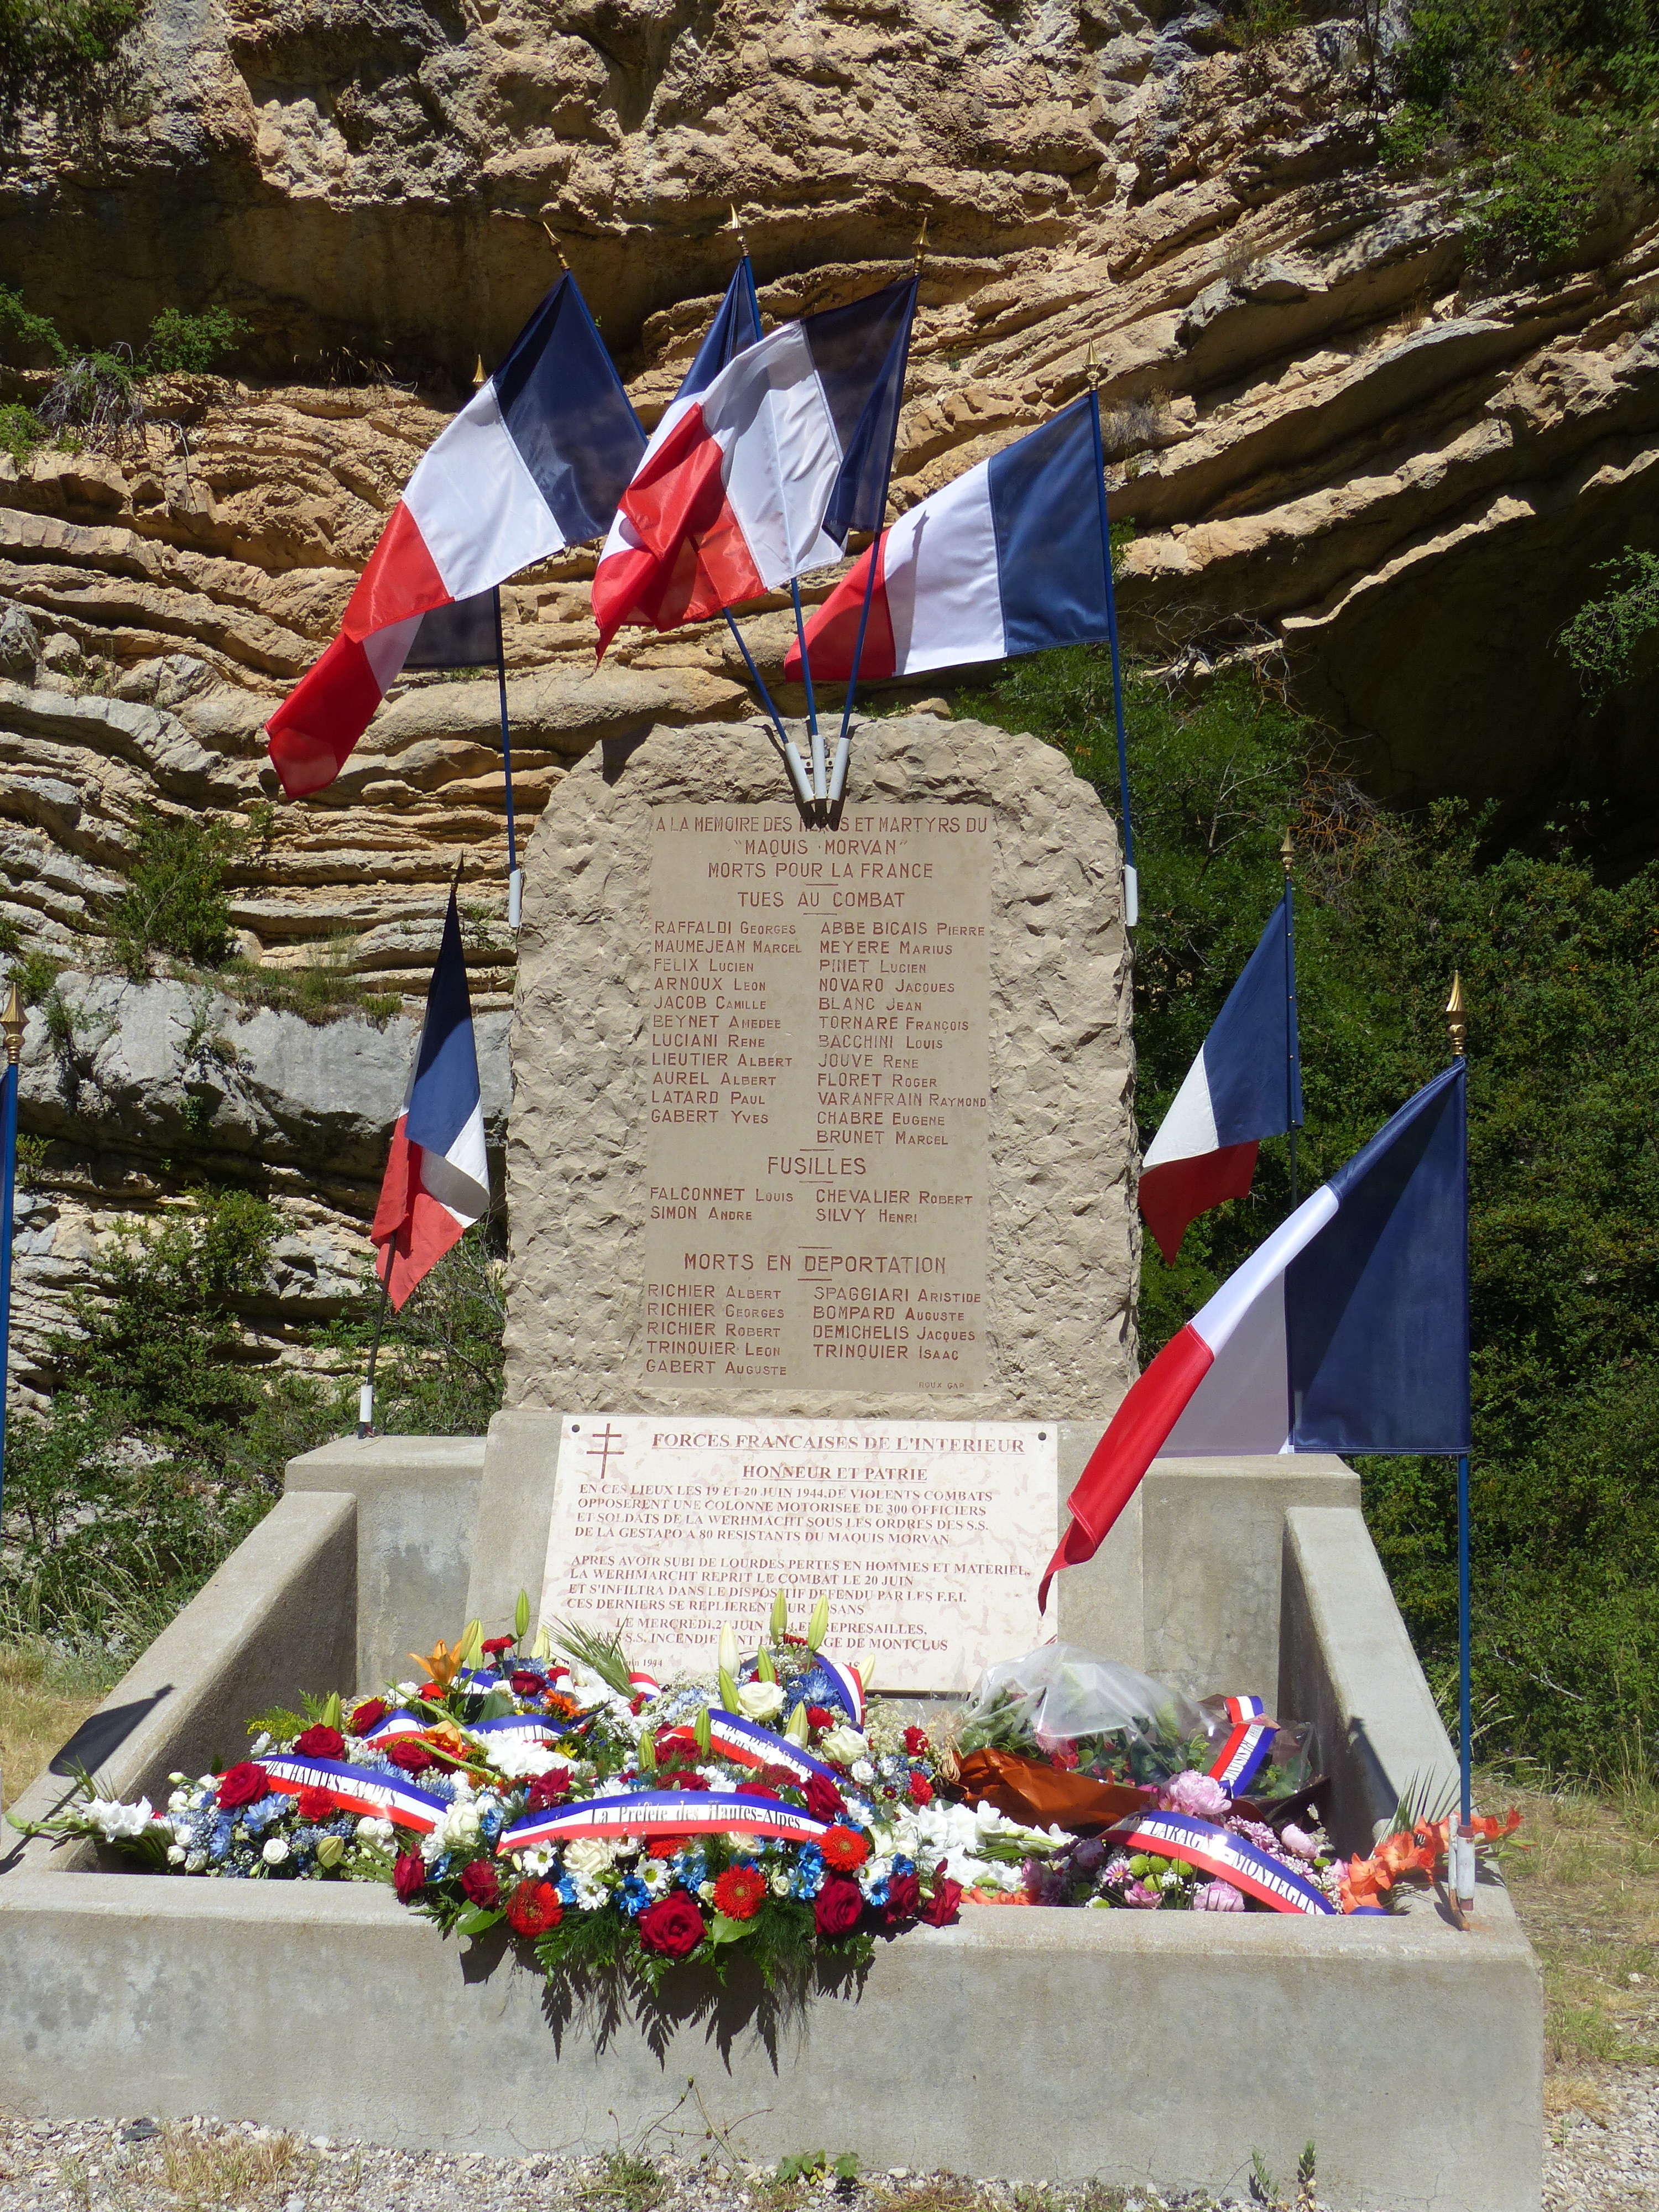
pixel 819 1063
pixel 928 1538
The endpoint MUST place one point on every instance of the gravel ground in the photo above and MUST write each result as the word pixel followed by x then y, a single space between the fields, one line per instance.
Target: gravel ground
pixel 1606 2159
pixel 1602 2159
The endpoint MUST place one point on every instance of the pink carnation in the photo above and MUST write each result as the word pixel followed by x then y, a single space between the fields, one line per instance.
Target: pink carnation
pixel 1138 1894
pixel 1294 1840
pixel 1199 1796
pixel 1218 1897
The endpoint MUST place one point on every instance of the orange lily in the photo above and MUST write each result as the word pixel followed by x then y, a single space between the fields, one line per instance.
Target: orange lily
pixel 441 1665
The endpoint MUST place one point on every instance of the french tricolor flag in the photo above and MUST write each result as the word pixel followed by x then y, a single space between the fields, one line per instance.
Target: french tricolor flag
pixel 437 1180
pixel 536 461
pixel 1245 1085
pixel 1347 1331
pixel 1010 558
pixel 758 476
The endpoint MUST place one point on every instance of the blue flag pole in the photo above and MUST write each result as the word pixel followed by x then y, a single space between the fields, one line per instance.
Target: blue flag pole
pixel 820 789
pixel 12 1023
pixel 1131 879
pixel 1292 1034
pixel 514 873
pixel 1461 1858
pixel 792 759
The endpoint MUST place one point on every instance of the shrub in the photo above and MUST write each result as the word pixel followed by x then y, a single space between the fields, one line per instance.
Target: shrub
pixel 190 345
pixel 57 54
pixel 20 432
pixel 98 397
pixel 175 899
pixel 28 340
pixel 1601 641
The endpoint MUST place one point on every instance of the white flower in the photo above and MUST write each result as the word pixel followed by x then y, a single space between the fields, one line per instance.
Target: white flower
pixel 518 1758
pixel 117 1822
pixel 275 1851
pixel 180 1801
pixel 175 1854
pixel 374 1829
pixel 589 1857
pixel 261 1744
pixel 760 1701
pixel 408 1690
pixel 705 1891
pixel 195 1863
pixel 780 1885
pixel 862 1771
pixel 655 1875
pixel 462 1786
pixel 589 1895
pixel 844 1745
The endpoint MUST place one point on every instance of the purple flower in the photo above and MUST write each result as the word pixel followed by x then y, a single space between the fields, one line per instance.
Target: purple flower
pixel 1200 1796
pixel 1218 1897
pixel 1138 1894
pixel 1294 1840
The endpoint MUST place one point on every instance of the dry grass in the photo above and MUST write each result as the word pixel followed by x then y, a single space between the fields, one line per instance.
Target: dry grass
pixel 207 2172
pixel 45 1696
pixel 1584 1872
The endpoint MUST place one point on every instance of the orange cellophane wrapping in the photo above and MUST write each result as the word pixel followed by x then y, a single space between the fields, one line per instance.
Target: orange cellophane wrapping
pixel 1044 1796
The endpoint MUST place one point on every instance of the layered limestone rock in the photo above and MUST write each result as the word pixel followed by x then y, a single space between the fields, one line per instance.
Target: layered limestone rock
pixel 1331 435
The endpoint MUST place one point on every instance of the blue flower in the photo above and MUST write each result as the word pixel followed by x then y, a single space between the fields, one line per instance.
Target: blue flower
pixel 633 1896
pixel 691 1870
pixel 877 1892
pixel 567 1889
pixel 901 1865
pixel 808 1877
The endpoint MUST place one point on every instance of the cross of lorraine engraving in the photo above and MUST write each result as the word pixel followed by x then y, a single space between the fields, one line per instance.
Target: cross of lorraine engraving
pixel 604 1443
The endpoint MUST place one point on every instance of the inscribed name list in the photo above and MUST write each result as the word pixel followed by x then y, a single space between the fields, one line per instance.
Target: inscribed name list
pixel 928 1538
pixel 820 1078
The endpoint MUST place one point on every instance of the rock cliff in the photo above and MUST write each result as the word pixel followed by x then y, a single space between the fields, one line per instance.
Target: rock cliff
pixel 1327 430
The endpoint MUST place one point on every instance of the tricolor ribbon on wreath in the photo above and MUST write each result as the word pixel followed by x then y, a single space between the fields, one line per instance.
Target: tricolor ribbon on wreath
pixel 664 1812
pixel 1223 1857
pixel 376 1796
pixel 1248 1748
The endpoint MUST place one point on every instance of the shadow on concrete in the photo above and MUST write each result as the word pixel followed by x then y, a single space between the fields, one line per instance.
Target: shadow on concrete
pixel 104 1733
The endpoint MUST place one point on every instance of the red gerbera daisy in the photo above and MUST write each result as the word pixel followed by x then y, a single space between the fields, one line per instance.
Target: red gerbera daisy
pixel 845 1849
pixel 740 1891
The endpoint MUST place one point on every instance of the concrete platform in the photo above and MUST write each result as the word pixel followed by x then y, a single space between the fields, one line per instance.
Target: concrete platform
pixel 1042 2046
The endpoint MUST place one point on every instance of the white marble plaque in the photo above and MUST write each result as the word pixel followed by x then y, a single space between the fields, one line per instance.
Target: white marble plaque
pixel 928 1538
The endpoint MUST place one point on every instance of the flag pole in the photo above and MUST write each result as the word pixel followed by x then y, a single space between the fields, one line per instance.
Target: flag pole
pixel 792 759
pixel 1462 1855
pixel 366 1394
pixel 844 742
pixel 12 1023
pixel 514 873
pixel 820 788
pixel 1292 1034
pixel 1131 879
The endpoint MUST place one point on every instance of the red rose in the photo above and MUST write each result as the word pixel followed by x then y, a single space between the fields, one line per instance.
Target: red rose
pixel 820 1717
pixel 917 1743
pixel 315 1804
pixel 679 1742
pixel 432 1689
pixel 409 1876
pixel 740 1891
pixel 244 1783
pixel 480 1885
pixel 673 1927
pixel 535 1909
pixel 756 1790
pixel 778 1778
pixel 921 1789
pixel 548 1789
pixel 409 1754
pixel 321 1743
pixel 838 1907
pixel 904 1899
pixel 683 1778
pixel 844 1849
pixel 523 1684
pixel 369 1714
pixel 941 1909
pixel 493 1646
pixel 824 1801
pixel 1065 1758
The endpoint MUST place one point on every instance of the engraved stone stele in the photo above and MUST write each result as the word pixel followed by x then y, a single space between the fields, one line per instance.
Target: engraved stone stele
pixel 824 1122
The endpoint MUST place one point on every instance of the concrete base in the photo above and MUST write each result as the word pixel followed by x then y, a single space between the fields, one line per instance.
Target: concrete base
pixel 1045 2045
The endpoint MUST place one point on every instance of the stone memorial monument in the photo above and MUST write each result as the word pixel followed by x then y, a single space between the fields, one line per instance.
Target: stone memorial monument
pixel 852 1109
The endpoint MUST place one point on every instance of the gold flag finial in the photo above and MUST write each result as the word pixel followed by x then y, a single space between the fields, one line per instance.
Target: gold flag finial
pixel 922 245
pixel 1456 1016
pixel 1287 852
pixel 555 244
pixel 736 225
pixel 478 377
pixel 12 1023
pixel 1094 368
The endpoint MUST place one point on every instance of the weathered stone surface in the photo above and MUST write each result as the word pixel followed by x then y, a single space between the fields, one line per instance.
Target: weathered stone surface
pixel 1063 1237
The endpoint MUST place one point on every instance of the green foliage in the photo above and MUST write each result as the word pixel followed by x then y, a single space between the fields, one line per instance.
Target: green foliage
pixel 97 397
pixel 816 2165
pixel 325 989
pixel 1562 975
pixel 56 54
pixel 175 899
pixel 441 1362
pixel 1255 23
pixel 34 975
pixel 28 340
pixel 1548 108
pixel 20 431
pixel 190 345
pixel 1601 641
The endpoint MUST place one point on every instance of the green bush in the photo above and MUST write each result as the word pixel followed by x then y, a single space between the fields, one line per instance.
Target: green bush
pixel 175 900
pixel 1562 974
pixel 28 340
pixel 20 432
pixel 1602 639
pixel 190 345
